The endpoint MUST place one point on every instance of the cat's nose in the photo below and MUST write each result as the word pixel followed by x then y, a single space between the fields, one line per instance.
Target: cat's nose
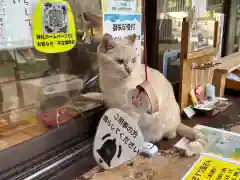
pixel 128 70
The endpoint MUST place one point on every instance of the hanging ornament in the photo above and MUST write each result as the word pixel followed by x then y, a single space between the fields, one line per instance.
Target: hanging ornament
pixel 146 98
pixel 53 27
pixel 139 100
pixel 192 93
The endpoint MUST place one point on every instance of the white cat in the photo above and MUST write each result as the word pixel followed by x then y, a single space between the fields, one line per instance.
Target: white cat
pixel 119 72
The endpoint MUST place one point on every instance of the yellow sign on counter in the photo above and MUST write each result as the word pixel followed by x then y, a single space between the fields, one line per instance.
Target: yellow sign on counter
pixel 207 168
pixel 53 27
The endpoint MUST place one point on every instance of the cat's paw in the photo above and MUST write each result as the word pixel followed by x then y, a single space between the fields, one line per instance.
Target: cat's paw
pixel 199 135
pixel 170 135
pixel 194 148
pixel 197 146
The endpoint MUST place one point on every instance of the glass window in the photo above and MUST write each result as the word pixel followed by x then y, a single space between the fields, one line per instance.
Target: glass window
pixel 215 6
pixel 34 87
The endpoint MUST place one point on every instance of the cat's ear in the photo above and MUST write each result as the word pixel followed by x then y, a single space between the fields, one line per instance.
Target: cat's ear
pixel 131 38
pixel 107 43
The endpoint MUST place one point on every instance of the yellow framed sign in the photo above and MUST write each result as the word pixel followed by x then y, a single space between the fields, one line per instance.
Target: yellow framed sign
pixel 53 27
pixel 208 168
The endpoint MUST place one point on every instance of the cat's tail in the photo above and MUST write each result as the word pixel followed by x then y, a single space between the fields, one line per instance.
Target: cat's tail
pixel 199 141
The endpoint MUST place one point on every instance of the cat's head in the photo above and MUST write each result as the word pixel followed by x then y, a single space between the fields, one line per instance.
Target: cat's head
pixel 117 58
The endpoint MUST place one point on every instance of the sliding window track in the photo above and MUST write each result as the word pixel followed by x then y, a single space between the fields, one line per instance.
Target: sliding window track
pixel 51 166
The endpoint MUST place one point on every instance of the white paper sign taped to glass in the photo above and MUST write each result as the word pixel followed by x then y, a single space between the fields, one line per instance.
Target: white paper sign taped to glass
pixel 122 25
pixel 133 6
pixel 118 139
pixel 15 23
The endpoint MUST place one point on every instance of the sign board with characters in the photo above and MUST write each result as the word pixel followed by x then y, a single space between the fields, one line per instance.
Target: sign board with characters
pixel 211 168
pixel 56 33
pixel 132 6
pixel 15 23
pixel 122 25
pixel 118 139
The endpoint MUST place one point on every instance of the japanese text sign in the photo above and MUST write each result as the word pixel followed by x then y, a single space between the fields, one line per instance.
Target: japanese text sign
pixel 53 27
pixel 15 23
pixel 122 25
pixel 207 168
pixel 132 6
pixel 118 139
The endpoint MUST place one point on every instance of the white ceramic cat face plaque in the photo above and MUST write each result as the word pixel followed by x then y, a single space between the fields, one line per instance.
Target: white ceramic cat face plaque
pixel 118 139
pixel 139 100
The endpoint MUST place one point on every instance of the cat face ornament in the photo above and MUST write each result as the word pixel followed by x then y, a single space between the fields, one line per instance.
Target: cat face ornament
pixel 149 96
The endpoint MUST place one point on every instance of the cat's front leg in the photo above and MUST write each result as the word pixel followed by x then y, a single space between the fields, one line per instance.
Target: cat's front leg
pixel 198 139
pixel 132 114
pixel 171 134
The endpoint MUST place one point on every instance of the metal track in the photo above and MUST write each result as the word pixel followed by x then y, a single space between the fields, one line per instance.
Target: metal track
pixel 44 166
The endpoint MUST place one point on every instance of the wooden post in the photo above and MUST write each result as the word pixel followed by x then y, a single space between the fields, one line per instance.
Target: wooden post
pixel 216 35
pixel 219 80
pixel 183 57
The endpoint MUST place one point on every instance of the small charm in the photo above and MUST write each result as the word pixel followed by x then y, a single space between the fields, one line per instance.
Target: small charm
pixel 148 150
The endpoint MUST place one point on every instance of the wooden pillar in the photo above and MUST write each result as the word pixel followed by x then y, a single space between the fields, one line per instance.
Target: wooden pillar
pixel 219 80
pixel 231 27
pixel 152 32
pixel 183 56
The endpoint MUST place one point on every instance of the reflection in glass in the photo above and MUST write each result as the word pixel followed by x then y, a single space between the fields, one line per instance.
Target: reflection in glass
pixel 39 91
pixel 202 35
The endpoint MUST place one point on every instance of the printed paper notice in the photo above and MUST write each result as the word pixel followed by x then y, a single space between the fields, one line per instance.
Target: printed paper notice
pixel 15 23
pixel 122 25
pixel 133 6
pixel 207 168
pixel 53 27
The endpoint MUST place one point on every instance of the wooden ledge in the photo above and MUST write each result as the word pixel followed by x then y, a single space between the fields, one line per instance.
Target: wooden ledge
pixel 229 63
pixel 203 52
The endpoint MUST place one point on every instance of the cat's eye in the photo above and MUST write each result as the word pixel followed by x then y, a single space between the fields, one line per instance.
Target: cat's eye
pixel 120 61
pixel 133 60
